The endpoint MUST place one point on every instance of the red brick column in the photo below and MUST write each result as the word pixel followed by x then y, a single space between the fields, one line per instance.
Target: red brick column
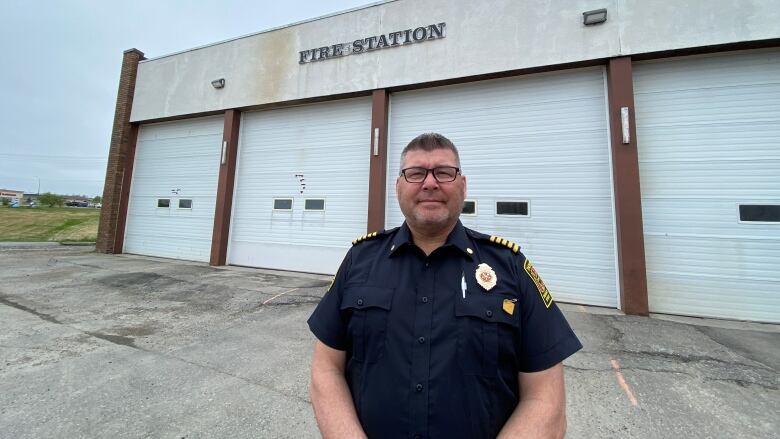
pixel 628 198
pixel 119 158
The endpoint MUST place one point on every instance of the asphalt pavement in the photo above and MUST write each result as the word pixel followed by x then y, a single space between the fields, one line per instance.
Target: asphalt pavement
pixel 125 346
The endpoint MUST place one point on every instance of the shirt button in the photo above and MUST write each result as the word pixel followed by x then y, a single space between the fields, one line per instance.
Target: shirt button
pixel 489 313
pixel 427 264
pixel 417 436
pixel 418 387
pixel 425 299
pixel 360 302
pixel 421 340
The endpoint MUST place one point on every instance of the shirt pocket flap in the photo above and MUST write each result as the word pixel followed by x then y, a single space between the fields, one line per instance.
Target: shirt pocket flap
pixel 488 308
pixel 365 296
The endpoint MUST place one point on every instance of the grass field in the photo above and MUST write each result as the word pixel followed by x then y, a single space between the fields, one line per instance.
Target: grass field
pixel 60 224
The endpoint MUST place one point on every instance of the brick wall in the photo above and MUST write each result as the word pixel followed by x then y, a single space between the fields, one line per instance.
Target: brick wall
pixel 122 141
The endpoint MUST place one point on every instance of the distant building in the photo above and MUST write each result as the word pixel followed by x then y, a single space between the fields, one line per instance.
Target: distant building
pixel 633 152
pixel 30 198
pixel 10 195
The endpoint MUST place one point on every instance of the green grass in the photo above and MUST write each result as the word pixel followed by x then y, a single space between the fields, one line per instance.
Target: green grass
pixel 59 224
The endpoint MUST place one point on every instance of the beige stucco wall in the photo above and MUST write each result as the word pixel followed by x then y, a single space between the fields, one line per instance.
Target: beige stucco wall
pixel 482 37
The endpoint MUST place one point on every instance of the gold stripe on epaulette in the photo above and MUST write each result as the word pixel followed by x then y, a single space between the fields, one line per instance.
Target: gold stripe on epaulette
pixel 364 237
pixel 505 242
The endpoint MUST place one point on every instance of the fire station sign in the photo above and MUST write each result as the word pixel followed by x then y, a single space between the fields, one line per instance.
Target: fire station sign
pixel 368 44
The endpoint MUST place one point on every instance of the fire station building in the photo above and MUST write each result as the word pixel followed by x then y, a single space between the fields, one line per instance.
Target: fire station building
pixel 631 148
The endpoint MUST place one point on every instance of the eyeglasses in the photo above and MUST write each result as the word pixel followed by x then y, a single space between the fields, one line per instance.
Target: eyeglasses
pixel 442 174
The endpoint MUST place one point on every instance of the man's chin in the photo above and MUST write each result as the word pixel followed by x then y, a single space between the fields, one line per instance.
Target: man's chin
pixel 431 221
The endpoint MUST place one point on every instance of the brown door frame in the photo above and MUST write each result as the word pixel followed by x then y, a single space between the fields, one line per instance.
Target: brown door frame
pixel 632 271
pixel 225 187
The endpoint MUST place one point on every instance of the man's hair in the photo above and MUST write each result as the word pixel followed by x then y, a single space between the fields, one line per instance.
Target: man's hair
pixel 429 142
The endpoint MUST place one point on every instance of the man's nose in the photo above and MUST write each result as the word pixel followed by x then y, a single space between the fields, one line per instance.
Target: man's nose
pixel 430 182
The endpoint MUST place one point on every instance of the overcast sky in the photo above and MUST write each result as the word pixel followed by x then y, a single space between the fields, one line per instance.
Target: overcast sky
pixel 59 72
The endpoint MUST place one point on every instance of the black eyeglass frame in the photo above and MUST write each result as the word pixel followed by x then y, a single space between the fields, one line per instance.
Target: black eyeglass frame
pixel 431 171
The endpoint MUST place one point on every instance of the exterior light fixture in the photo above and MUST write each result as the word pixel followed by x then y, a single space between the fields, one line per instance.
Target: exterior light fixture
pixel 597 16
pixel 218 83
pixel 624 126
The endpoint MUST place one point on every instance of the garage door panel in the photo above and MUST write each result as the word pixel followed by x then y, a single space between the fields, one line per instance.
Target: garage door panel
pixel 729 71
pixel 309 152
pixel 540 139
pixel 709 139
pixel 174 160
pixel 754 139
pixel 685 295
pixel 714 217
pixel 725 258
pixel 728 105
pixel 735 179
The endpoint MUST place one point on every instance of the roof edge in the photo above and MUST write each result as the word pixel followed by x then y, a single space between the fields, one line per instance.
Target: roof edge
pixel 308 20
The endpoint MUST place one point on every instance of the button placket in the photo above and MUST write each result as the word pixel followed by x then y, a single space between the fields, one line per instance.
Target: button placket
pixel 421 361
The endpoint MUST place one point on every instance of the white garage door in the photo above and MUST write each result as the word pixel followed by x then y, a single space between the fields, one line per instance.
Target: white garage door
pixel 173 193
pixel 536 153
pixel 709 148
pixel 301 191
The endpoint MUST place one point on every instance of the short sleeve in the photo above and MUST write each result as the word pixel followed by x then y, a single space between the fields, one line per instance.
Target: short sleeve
pixel 546 338
pixel 326 322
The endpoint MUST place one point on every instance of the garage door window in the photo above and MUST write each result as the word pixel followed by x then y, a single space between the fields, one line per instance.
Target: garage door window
pixel 164 202
pixel 185 203
pixel 283 203
pixel 512 208
pixel 469 207
pixel 314 204
pixel 759 213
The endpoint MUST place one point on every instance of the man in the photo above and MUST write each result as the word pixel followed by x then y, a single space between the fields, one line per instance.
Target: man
pixel 435 330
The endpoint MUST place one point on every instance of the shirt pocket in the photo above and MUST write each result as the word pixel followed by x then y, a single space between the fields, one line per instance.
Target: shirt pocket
pixel 485 332
pixel 367 328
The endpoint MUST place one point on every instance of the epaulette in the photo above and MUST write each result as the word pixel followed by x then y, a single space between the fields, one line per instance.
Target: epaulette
pixel 365 237
pixel 505 242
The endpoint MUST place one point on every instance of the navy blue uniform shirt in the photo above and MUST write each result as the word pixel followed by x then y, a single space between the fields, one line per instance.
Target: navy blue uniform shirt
pixel 427 357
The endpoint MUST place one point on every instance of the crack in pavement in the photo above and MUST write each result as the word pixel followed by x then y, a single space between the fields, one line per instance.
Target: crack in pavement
pixel 742 383
pixel 685 359
pixel 730 348
pixel 8 302
pixel 129 342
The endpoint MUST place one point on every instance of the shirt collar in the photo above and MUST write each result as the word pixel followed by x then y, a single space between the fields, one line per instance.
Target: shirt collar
pixel 457 238
pixel 402 238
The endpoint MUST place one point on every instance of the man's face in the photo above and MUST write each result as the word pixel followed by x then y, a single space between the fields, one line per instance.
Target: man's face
pixel 430 205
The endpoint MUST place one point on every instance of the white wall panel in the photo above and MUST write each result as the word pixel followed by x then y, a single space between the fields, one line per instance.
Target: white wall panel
pixel 175 156
pixel 709 138
pixel 541 138
pixel 481 38
pixel 329 145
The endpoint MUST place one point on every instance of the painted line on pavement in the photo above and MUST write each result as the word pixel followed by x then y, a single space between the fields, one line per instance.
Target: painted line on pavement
pixel 280 294
pixel 622 382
